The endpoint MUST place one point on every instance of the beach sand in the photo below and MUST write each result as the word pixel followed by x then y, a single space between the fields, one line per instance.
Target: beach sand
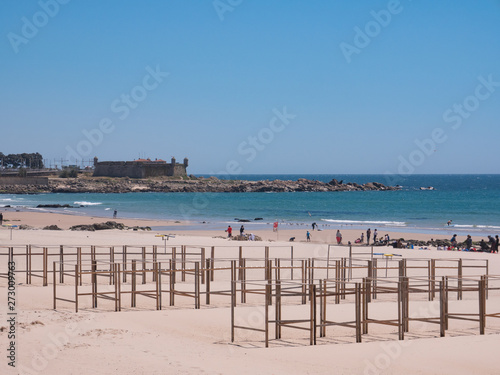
pixel 184 340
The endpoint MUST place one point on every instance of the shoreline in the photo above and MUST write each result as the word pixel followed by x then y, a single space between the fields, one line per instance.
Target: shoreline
pixel 326 235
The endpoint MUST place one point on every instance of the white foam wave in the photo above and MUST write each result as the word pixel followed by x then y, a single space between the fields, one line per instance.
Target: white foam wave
pixel 84 203
pixel 476 226
pixel 360 222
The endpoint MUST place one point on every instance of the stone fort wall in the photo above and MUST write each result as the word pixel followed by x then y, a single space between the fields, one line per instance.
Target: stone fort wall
pixel 139 169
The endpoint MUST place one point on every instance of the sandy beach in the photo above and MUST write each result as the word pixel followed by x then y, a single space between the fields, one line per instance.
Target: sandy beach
pixel 183 340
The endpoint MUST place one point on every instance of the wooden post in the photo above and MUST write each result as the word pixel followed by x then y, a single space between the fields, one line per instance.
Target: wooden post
pixel 207 284
pixel 243 282
pixel 45 265
pixel 212 256
pixel 197 285
pixel 277 311
pixel 171 280
pixel 144 265
pixel 233 278
pixel 133 283
pixel 54 282
pixel 442 311
pixel 77 277
pixel 183 261
pixel 460 282
pixel 368 282
pixel 400 310
pixel 312 298
pixel 94 284
pixel 174 257
pixel 357 303
pixel 240 262
pixel 429 276
pixel 79 264
pixel 118 286
pixel 29 263
pixel 291 261
pixel 482 305
pixel 124 262
pixel 158 283
pixel 365 295
pixel 433 279
pixel 202 263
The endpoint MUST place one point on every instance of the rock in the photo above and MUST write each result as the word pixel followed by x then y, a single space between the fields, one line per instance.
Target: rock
pixel 258 218
pixel 245 238
pixel 51 227
pixel 82 227
pixel 140 228
pixel 243 221
pixel 25 227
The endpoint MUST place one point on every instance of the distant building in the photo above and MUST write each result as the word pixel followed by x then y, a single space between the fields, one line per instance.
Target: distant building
pixel 140 168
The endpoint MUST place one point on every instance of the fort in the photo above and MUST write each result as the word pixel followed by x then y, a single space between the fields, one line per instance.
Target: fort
pixel 141 168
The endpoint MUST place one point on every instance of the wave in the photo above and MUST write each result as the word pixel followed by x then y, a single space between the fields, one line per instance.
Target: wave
pixel 476 226
pixel 359 222
pixel 83 203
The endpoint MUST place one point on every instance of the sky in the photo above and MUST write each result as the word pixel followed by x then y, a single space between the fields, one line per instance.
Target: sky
pixel 254 87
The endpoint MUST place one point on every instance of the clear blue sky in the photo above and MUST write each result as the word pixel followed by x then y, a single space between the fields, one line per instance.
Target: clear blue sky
pixel 231 68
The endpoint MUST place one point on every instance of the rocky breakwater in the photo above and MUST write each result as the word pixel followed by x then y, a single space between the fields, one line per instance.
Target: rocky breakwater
pixel 194 185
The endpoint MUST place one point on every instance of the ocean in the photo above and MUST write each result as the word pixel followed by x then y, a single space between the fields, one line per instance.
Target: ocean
pixel 470 201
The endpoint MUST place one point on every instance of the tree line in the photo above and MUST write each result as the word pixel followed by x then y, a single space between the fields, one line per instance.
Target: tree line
pixel 24 160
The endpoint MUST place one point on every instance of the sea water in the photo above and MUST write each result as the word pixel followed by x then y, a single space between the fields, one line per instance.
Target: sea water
pixel 470 201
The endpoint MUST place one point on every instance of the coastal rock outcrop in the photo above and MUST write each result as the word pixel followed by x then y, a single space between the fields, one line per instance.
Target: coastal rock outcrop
pixel 105 226
pixel 188 185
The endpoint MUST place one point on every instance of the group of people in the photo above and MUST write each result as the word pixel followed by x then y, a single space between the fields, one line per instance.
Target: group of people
pixel 229 232
pixel 376 240
pixel 490 246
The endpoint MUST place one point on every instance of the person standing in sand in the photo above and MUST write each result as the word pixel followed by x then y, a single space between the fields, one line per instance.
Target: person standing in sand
pixel 368 234
pixel 308 236
pixel 229 231
pixel 1 218
pixel 375 236
pixel 114 214
pixel 242 230
pixel 339 237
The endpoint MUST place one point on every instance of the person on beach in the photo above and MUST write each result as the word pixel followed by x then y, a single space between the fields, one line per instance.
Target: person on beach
pixel 496 244
pixel 251 237
pixel 375 236
pixel 454 241
pixel 114 214
pixel 362 239
pixel 484 246
pixel 449 222
pixel 1 218
pixel 314 225
pixel 242 230
pixel 468 242
pixel 229 231
pixel 275 226
pixel 308 236
pixel 368 234
pixel 339 237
